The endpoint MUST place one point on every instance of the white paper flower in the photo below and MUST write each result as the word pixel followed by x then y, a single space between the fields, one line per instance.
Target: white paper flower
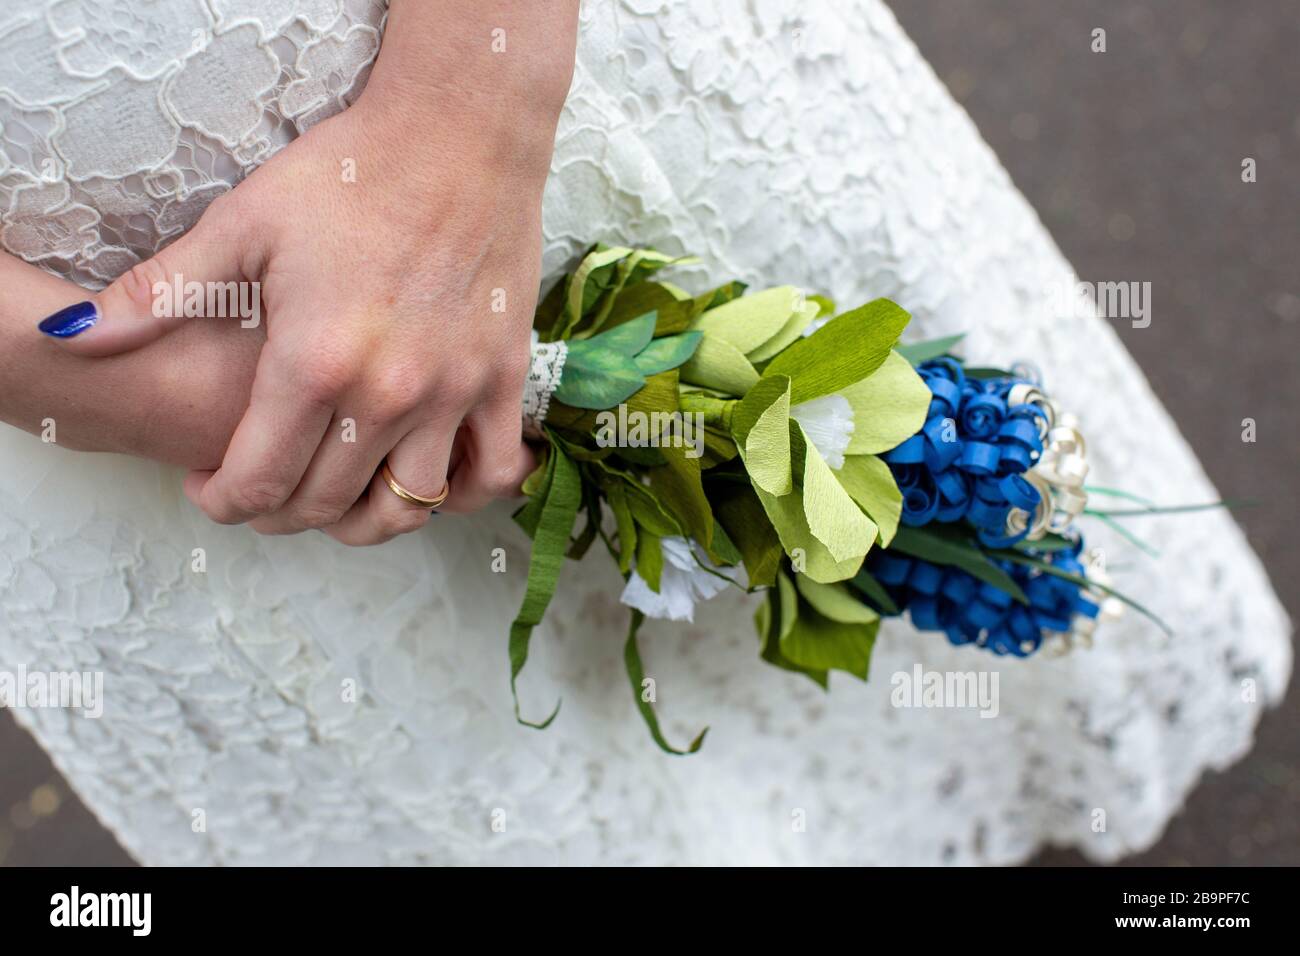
pixel 828 423
pixel 682 582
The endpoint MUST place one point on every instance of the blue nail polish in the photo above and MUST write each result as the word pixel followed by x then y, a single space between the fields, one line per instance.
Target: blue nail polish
pixel 71 321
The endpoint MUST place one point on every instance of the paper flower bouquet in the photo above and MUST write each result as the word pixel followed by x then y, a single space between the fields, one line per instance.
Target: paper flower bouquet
pixel 768 442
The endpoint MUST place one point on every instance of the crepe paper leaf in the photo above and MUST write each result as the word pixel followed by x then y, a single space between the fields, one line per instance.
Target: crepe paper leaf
pixel 833 517
pixel 1016 557
pixel 978 372
pixel 792 330
pixel 626 340
pixel 947 546
pixel 680 491
pixel 667 352
pixel 636 674
pixel 579 546
pixel 1048 542
pixel 834 601
pixel 720 365
pixel 889 407
pixel 739 513
pixel 616 495
pixel 845 350
pixel 549 309
pixel 560 415
pixel 798 541
pixel 865 582
pixel 530 514
pixel 649 559
pixel 721 295
pixel 598 379
pixel 585 286
pixel 647 511
pixel 627 272
pixel 871 484
pixel 658 395
pixel 918 352
pixel 751 320
pixel 774 619
pixel 641 457
pixel 817 642
pixel 825 306
pixel 550 539
pixel 724 550
pixel 538 477
pixel 718 449
pixel 761 426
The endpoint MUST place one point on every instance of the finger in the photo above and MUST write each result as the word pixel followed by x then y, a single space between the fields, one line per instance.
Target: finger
pixel 497 461
pixel 338 476
pixel 196 275
pixel 419 463
pixel 271 447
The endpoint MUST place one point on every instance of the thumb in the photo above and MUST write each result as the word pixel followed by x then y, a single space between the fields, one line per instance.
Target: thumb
pixel 197 275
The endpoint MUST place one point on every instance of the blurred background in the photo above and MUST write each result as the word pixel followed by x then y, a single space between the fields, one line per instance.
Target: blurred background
pixel 1133 159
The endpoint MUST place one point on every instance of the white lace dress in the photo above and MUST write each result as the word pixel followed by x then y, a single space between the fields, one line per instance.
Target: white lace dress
pixel 782 142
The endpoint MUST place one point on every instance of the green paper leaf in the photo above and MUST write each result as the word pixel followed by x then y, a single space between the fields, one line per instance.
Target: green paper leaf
pixel 616 495
pixel 866 582
pixel 751 320
pixel 680 491
pixel 761 427
pixel 889 407
pixel 792 330
pixel 596 377
pixel 820 643
pixel 720 365
pixel 739 512
pixel 775 618
pixel 636 675
pixel 554 526
pixel 948 546
pixel 627 339
pixel 649 559
pixel 667 353
pixel 787 517
pixel 833 517
pixel 918 352
pixel 834 601
pixel 845 350
pixel 871 484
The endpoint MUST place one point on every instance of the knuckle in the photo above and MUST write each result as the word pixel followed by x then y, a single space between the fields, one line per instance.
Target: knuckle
pixel 318 514
pixel 394 523
pixel 143 283
pixel 322 377
pixel 259 497
pixel 397 391
pixel 502 481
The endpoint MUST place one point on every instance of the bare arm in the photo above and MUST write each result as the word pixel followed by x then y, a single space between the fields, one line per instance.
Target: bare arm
pixel 177 400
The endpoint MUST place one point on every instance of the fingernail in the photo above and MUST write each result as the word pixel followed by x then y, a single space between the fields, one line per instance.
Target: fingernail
pixel 71 321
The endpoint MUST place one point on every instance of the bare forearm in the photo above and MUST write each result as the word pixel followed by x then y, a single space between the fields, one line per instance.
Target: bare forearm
pixel 176 401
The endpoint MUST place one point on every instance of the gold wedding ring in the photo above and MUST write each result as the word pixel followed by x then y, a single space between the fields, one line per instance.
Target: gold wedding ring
pixel 409 496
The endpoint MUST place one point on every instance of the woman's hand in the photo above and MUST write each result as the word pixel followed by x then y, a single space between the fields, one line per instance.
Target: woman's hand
pixel 397 247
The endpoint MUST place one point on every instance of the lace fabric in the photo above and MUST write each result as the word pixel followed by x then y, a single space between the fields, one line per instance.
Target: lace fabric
pixel 781 142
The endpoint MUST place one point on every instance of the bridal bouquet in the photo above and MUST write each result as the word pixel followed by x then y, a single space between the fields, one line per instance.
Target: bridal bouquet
pixel 770 442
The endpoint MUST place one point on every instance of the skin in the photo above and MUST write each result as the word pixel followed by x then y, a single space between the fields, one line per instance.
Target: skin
pixel 397 247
